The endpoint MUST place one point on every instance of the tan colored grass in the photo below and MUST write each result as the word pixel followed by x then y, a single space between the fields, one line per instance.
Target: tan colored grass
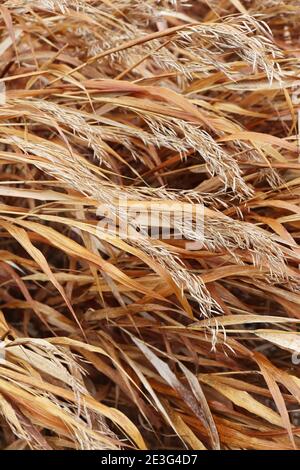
pixel 115 343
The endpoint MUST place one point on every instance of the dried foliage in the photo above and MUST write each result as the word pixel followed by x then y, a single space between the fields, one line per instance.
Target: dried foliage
pixel 111 342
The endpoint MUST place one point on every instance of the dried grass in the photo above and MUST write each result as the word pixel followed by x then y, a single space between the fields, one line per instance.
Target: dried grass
pixel 141 343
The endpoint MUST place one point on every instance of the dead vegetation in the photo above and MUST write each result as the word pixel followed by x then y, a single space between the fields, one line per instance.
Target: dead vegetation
pixel 113 342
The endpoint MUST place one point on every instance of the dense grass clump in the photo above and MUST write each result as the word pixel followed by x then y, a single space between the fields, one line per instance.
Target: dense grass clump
pixel 114 340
